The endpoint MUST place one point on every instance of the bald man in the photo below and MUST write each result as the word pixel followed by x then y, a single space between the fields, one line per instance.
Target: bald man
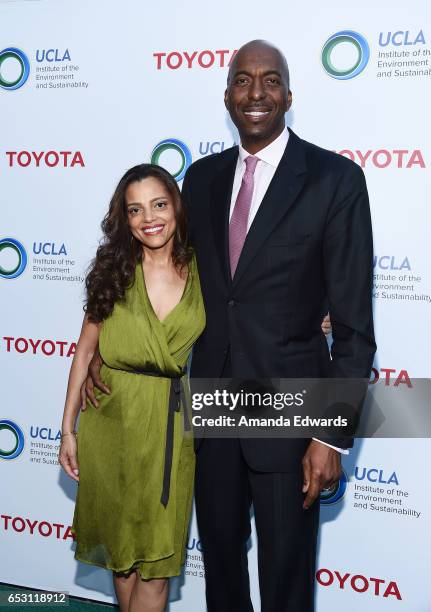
pixel 281 230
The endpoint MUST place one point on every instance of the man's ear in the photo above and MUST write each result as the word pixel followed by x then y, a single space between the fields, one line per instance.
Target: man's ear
pixel 289 100
pixel 225 100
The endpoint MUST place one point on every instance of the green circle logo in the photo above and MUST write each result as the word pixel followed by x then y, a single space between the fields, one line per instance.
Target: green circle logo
pixel 363 54
pixel 18 445
pixel 18 248
pixel 172 144
pixel 335 493
pixel 20 57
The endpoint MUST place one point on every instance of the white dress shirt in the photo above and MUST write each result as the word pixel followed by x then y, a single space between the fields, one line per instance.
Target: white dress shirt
pixel 269 158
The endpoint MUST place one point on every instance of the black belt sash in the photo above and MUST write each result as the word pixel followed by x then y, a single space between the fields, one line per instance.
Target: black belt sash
pixel 173 407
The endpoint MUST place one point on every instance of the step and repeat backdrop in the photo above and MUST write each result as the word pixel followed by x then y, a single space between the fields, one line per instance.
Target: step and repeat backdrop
pixel 88 89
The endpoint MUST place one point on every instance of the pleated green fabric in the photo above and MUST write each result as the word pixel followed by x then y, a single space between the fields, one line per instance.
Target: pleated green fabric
pixel 119 520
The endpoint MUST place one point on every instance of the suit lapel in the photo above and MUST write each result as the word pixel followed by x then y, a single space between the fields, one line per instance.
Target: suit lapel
pixel 285 187
pixel 221 193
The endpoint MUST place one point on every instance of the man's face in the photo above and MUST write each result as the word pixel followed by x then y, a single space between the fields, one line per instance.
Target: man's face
pixel 257 95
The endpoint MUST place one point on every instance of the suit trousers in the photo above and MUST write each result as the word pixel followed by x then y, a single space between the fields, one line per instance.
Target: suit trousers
pixel 226 490
pixel 286 534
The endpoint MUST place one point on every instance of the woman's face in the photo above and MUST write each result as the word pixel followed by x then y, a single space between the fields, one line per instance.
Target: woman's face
pixel 150 213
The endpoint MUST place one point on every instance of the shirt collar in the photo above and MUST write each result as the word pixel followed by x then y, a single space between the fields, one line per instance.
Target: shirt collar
pixel 272 153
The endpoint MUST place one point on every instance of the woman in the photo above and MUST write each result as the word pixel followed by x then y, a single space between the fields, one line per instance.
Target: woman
pixel 136 461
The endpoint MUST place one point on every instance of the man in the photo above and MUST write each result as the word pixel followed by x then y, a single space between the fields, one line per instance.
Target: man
pixel 268 269
pixel 281 230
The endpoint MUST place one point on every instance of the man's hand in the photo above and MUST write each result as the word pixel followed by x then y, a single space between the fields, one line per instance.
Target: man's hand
pixel 322 469
pixel 93 380
pixel 326 325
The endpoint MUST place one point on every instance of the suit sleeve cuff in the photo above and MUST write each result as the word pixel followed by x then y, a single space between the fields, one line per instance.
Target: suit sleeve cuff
pixel 343 451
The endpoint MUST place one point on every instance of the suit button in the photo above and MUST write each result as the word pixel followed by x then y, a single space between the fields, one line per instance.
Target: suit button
pixel 231 303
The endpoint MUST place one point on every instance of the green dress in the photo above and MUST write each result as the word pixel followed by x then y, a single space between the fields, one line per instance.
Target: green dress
pixel 121 521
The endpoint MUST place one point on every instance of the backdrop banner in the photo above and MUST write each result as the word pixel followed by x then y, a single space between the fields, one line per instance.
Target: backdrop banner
pixel 89 89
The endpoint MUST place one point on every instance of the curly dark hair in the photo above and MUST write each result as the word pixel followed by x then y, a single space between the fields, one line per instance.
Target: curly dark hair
pixel 113 269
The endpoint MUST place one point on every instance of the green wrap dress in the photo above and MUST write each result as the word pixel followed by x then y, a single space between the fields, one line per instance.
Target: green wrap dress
pixel 135 452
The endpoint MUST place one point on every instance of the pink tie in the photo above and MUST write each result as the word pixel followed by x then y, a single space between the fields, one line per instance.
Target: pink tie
pixel 239 219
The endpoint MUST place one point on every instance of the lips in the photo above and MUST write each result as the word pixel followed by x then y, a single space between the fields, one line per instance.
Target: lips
pixel 153 230
pixel 257 114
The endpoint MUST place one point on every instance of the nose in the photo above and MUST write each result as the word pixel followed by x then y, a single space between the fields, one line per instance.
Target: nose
pixel 148 214
pixel 257 89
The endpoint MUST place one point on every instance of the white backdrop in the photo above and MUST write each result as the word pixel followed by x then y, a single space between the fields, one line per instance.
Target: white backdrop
pixel 107 82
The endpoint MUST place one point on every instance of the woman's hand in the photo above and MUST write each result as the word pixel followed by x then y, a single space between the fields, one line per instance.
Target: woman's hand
pixel 326 325
pixel 67 456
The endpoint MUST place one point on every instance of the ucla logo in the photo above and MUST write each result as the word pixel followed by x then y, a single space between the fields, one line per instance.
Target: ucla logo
pixel 390 262
pixel 52 55
pixel 49 248
pixel 45 433
pixel 16 269
pixel 172 144
pixel 335 493
pixel 209 148
pixel 194 544
pixel 18 445
pixel 376 475
pixel 357 65
pixel 20 58
pixel 401 38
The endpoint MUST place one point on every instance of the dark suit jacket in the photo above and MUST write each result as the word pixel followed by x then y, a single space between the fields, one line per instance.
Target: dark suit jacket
pixel 308 250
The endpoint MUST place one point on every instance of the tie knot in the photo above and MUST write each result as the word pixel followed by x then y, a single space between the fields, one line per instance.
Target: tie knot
pixel 251 163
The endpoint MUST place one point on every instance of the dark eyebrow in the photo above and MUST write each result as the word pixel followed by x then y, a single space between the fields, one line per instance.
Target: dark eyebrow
pixel 266 73
pixel 152 200
pixel 159 198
